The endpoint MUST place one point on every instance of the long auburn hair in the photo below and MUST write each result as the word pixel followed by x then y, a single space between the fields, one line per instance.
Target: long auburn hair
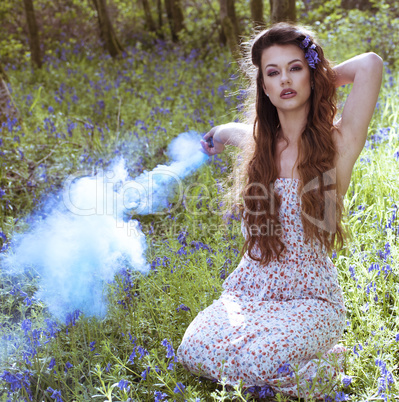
pixel 315 164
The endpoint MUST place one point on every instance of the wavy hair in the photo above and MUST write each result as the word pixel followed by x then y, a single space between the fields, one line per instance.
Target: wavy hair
pixel 315 164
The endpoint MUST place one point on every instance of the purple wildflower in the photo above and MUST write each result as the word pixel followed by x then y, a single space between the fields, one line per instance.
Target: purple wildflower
pixel 55 394
pixel 305 43
pixel 159 396
pixel 51 364
pixel 145 373
pixel 26 326
pixel 179 388
pixel 68 366
pixel 123 384
pixel 71 318
pixel 169 349
pixel 312 56
pixel 341 396
pixel 142 351
pixel 346 380
pixel 266 391
pixel 183 307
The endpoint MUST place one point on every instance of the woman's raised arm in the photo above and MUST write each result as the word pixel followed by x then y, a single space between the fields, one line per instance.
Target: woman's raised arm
pixel 365 72
pixel 226 134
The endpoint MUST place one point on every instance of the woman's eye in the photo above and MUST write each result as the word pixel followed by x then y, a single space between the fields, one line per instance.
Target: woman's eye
pixel 271 73
pixel 296 68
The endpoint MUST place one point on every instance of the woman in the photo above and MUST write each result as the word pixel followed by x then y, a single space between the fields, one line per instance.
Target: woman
pixel 281 314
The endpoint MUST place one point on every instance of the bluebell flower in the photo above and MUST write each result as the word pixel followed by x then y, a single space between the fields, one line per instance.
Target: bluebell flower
pixel 169 349
pixel 181 238
pixel 55 394
pixel 159 396
pixel 52 328
pixel 183 307
pixel 182 251
pixel 346 380
pixel 28 301
pixel 341 396
pixel 51 364
pixel 92 346
pixel 265 392
pixel 68 365
pixel 142 352
pixel 374 267
pixel 352 272
pixel 123 384
pixel 145 373
pixel 179 388
pixel 132 356
pixel 72 317
pixel 18 381
pixel 305 43
pixel 26 326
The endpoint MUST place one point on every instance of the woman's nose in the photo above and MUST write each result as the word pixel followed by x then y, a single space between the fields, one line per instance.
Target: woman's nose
pixel 285 78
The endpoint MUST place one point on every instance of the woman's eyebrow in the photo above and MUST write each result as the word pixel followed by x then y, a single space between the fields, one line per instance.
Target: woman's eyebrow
pixel 292 61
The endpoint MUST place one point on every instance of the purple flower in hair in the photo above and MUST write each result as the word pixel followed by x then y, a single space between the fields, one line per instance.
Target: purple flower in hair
pixel 311 54
pixel 305 43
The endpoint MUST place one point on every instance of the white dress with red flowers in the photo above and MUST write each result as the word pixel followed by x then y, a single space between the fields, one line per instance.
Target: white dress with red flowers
pixel 275 325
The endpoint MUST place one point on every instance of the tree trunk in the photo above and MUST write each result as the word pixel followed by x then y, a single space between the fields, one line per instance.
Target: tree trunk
pixel 231 12
pixel 229 30
pixel 148 17
pixel 160 21
pixel 7 107
pixel 257 13
pixel 175 15
pixel 34 42
pixel 178 16
pixel 107 33
pixel 283 10
pixel 169 14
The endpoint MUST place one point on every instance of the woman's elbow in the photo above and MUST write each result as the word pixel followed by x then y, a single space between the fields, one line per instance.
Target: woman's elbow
pixel 375 61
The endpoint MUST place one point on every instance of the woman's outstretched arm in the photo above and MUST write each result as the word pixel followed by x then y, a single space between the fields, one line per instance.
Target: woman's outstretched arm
pixel 365 72
pixel 226 134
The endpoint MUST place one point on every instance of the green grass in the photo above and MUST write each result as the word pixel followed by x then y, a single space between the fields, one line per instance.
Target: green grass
pixel 148 98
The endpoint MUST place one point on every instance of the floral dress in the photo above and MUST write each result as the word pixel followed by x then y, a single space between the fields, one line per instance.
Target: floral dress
pixel 275 325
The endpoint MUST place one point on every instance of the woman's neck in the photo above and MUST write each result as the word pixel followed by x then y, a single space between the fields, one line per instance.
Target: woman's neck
pixel 292 124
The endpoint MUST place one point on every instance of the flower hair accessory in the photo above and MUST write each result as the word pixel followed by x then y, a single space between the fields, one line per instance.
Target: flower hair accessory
pixel 310 53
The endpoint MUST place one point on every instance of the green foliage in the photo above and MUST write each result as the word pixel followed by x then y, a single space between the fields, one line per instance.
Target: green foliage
pixel 377 30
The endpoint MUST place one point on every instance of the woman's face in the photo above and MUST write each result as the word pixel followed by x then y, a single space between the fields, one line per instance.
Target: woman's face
pixel 286 77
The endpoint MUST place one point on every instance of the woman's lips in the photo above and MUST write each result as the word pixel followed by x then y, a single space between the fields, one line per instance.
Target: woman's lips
pixel 287 93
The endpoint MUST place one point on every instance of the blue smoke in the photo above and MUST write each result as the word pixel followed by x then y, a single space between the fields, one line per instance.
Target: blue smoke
pixel 86 238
